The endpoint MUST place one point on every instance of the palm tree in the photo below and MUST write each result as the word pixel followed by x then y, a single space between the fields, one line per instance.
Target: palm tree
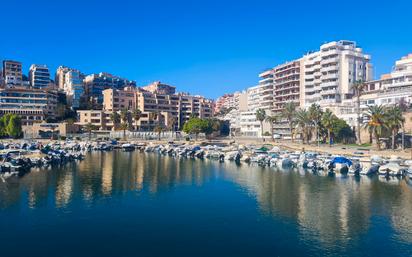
pixel 159 130
pixel 137 114
pixel 304 123
pixel 328 121
pixel 272 119
pixel 261 116
pixel 115 118
pixel 394 121
pixel 358 88
pixel 154 116
pixel 171 123
pixel 289 113
pixel 124 126
pixel 126 121
pixel 315 114
pixel 89 128
pixel 376 122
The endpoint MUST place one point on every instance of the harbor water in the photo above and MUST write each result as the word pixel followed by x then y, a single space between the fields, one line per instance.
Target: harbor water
pixel 144 204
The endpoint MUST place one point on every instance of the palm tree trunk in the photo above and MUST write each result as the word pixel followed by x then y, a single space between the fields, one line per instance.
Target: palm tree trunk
pixel 330 141
pixel 359 120
pixel 378 144
pixel 291 132
pixel 393 140
pixel 403 135
pixel 261 131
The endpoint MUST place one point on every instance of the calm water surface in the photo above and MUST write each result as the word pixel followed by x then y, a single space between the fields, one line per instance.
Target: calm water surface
pixel 135 204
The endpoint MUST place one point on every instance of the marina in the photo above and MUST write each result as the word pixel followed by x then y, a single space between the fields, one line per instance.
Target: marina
pixel 162 205
pixel 18 158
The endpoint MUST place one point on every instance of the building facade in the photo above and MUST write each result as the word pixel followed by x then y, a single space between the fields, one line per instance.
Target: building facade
pixel 39 76
pixel 32 105
pixel 155 108
pixel 94 85
pixel 12 73
pixel 73 87
pixel 330 73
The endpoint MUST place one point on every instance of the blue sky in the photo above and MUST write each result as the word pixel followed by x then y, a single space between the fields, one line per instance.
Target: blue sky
pixel 203 47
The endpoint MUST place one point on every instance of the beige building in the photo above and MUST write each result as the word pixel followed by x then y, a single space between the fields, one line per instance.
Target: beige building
pixel 116 100
pixel 33 105
pixel 46 130
pixel 155 108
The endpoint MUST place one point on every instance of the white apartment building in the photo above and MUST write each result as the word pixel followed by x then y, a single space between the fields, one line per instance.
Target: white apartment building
pixel 249 125
pixel 266 91
pixel 330 73
pixel 390 89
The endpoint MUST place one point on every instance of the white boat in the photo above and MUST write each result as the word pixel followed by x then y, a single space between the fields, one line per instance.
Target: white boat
pixel 128 147
pixel 391 169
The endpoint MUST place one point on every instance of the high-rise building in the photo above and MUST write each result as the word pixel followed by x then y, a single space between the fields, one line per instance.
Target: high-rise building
pixel 73 87
pixel 266 91
pixel 39 76
pixel 330 73
pixel 94 85
pixel 12 73
pixel 60 77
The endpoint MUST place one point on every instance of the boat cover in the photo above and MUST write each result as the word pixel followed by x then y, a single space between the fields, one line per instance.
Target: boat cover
pixel 341 159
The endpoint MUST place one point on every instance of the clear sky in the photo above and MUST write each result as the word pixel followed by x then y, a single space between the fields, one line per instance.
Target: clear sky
pixel 203 47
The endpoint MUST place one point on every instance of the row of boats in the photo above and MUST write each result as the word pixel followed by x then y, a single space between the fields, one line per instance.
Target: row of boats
pixel 275 157
pixel 16 158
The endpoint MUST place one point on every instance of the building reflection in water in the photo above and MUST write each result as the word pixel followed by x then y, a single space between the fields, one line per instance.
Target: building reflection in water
pixel 327 209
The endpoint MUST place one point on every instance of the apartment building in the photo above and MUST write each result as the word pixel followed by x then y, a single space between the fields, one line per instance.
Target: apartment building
pixel 12 73
pixel 390 89
pixel 39 76
pixel 94 85
pixel 73 88
pixel 249 125
pixel 33 105
pixel 116 99
pixel 266 91
pixel 330 73
pixel 179 106
pixel 60 76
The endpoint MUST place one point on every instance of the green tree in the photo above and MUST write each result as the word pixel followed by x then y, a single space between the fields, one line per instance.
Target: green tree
pixel 328 121
pixel 14 129
pixel 261 116
pixel 272 119
pixel 376 122
pixel 115 118
pixel 89 127
pixel 394 121
pixel 315 114
pixel 158 129
pixel 342 132
pixel 358 88
pixel 171 124
pixel 304 122
pixel 137 115
pixel 289 113
pixel 194 126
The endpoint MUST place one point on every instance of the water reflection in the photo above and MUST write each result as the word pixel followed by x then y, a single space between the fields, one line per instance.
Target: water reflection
pixel 327 210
